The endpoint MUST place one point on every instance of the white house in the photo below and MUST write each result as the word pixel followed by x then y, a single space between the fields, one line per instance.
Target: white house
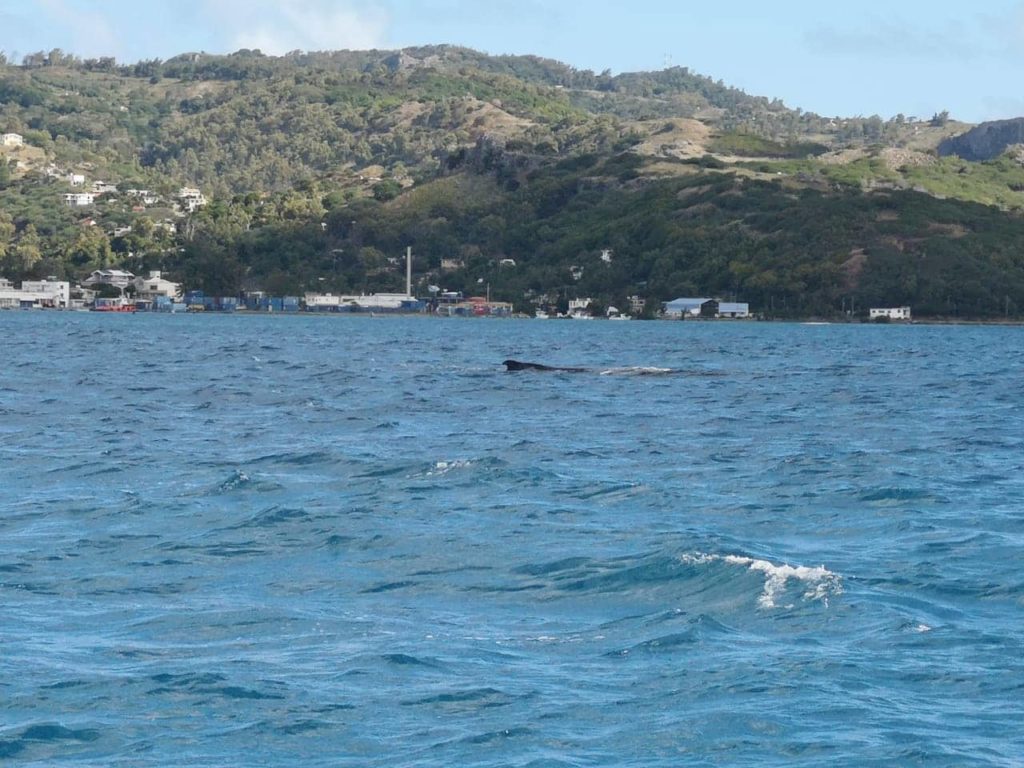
pixel 115 277
pixel 155 285
pixel 12 140
pixel 79 199
pixel 76 179
pixel 579 305
pixel 147 197
pixel 55 293
pixel 103 188
pixel 35 293
pixel 892 313
pixel 191 199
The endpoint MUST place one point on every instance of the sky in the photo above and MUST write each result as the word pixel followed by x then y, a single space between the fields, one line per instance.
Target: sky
pixel 860 57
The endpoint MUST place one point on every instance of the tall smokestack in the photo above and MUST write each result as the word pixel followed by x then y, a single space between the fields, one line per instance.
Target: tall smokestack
pixel 408 271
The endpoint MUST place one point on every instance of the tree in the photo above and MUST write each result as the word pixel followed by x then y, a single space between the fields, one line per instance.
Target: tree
pixel 386 190
pixel 27 252
pixel 90 249
pixel 6 233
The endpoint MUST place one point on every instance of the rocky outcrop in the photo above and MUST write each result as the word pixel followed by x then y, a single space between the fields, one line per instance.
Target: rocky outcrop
pixel 985 141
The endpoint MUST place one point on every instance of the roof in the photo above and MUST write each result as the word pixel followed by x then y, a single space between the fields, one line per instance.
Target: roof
pixel 686 302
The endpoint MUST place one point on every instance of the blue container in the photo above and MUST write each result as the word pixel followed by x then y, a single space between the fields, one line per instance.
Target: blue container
pixel 194 297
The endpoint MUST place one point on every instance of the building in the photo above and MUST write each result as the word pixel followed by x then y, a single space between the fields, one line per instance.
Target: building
pixel 57 293
pixel 76 179
pixel 889 313
pixel 144 195
pixel 12 140
pixel 637 304
pixel 705 307
pixel 450 265
pixel 104 188
pixel 35 293
pixel 690 307
pixel 155 285
pixel 191 199
pixel 79 199
pixel 376 302
pixel 733 309
pixel 115 277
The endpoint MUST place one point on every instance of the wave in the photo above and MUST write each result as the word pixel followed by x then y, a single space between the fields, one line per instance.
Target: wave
pixel 818 582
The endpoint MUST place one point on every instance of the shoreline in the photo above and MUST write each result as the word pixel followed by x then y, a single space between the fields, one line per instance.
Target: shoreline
pixel 813 321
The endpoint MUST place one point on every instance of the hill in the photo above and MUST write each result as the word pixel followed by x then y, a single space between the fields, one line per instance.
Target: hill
pixel 986 141
pixel 319 166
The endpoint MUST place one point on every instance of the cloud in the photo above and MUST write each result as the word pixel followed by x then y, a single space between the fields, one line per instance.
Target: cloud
pixel 279 26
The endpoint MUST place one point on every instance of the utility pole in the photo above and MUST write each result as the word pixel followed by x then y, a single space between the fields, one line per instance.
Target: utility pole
pixel 408 271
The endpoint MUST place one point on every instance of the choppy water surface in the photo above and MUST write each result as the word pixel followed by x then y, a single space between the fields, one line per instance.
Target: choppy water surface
pixel 314 541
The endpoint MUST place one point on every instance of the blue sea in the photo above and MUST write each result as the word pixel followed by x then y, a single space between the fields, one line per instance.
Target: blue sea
pixel 355 541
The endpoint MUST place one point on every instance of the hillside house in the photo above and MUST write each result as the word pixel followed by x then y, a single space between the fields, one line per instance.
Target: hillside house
pixel 79 199
pixel 12 140
pixel 146 196
pixel 450 265
pixel 191 199
pixel 76 179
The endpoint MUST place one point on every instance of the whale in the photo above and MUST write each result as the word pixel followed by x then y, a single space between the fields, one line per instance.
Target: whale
pixel 633 370
pixel 519 365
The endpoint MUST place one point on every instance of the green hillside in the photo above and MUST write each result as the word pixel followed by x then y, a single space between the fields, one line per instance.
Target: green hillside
pixel 320 167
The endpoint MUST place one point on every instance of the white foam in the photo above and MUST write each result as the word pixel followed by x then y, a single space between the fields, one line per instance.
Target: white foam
pixel 820 582
pixel 635 370
pixel 444 467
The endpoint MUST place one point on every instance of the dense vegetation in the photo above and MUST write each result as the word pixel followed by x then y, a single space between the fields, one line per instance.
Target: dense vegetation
pixel 322 167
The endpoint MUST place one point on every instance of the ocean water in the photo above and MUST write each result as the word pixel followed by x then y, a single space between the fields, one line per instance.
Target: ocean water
pixel 353 541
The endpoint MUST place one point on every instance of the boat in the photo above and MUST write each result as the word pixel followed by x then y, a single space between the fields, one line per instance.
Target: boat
pixel 540 314
pixel 113 305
